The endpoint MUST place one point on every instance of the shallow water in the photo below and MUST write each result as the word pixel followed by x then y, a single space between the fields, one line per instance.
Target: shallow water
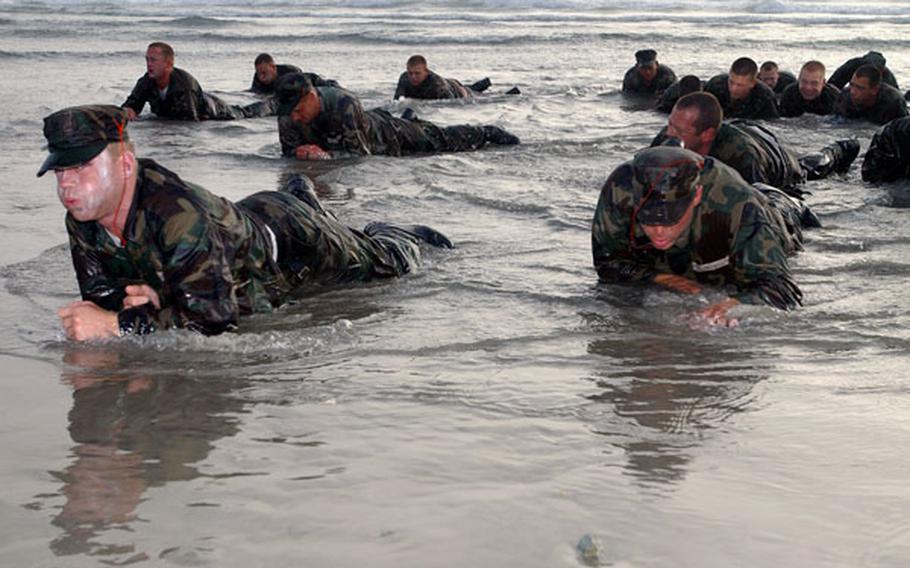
pixel 496 406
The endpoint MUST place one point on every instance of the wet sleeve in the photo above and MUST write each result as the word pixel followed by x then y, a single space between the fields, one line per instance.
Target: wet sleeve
pixel 666 78
pixel 355 128
pixel 610 229
pixel 138 97
pixel 761 272
pixel 790 103
pixel 882 161
pixel 96 282
pixel 401 87
pixel 256 86
pixel 629 81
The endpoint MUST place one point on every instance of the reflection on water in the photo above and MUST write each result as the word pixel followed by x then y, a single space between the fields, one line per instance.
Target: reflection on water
pixel 132 431
pixel 666 394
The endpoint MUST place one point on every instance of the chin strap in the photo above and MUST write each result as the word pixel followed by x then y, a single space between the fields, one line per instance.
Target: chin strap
pixel 120 126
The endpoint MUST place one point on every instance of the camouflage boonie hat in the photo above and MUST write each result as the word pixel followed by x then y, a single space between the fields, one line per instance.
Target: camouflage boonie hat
pixel 75 135
pixel 667 176
pixel 289 88
pixel 645 57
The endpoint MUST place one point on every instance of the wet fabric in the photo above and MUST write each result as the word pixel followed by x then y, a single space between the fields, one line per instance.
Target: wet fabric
pixel 317 81
pixel 792 102
pixel 889 105
pixel 754 152
pixel 842 75
pixel 669 96
pixel 433 87
pixel 211 260
pixel 633 82
pixel 185 100
pixel 344 128
pixel 760 103
pixel 784 80
pixel 739 239
pixel 888 156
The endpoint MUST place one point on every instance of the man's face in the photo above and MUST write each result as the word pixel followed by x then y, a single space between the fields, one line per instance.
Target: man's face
pixel 862 92
pixel 769 77
pixel 648 72
pixel 155 63
pixel 266 73
pixel 682 125
pixel 89 192
pixel 307 109
pixel 664 237
pixel 417 74
pixel 811 84
pixel 740 85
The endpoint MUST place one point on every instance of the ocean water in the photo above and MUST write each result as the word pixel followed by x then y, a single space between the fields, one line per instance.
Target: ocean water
pixel 498 405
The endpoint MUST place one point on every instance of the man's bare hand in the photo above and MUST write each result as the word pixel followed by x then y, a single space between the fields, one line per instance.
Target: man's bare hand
pixel 83 321
pixel 130 113
pixel 678 283
pixel 714 315
pixel 311 152
pixel 139 294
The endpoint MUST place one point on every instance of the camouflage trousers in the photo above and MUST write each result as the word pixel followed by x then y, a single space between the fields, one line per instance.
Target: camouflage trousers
pixel 217 109
pixel 314 248
pixel 401 136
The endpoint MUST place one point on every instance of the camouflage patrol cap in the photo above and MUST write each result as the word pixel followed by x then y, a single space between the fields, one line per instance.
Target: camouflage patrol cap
pixel 289 89
pixel 77 134
pixel 666 176
pixel 645 57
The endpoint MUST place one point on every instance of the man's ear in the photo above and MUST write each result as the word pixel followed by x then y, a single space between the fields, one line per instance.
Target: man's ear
pixel 699 190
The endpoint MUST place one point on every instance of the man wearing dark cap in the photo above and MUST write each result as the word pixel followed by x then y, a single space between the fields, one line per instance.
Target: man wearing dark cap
pixel 749 148
pixel 888 156
pixel 741 94
pixel 868 98
pixel 647 77
pixel 419 82
pixel 329 122
pixel 685 221
pixel 268 72
pixel 153 252
pixel 174 94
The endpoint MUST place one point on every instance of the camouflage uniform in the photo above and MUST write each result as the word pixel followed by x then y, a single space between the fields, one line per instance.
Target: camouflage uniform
pixel 433 87
pixel 633 82
pixel 754 152
pixel 844 73
pixel 738 239
pixel 792 102
pixel 211 260
pixel 344 128
pixel 889 104
pixel 888 156
pixel 761 102
pixel 261 88
pixel 185 100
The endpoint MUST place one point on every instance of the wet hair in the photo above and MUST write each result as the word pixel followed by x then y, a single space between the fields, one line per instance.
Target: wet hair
pixel 769 66
pixel 744 66
pixel 417 60
pixel 263 58
pixel 871 72
pixel 813 66
pixel 689 84
pixel 710 113
pixel 166 50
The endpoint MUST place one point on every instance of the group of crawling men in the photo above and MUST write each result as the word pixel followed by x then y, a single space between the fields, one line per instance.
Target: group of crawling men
pixel 711 203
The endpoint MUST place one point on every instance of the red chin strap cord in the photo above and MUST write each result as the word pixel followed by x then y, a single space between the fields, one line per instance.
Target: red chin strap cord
pixel 120 126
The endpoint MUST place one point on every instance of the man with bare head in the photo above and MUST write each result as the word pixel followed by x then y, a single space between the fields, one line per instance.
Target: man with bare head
pixel 751 150
pixel 770 74
pixel 810 94
pixel 869 98
pixel 741 94
pixel 419 82
pixel 173 93
pixel 268 72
